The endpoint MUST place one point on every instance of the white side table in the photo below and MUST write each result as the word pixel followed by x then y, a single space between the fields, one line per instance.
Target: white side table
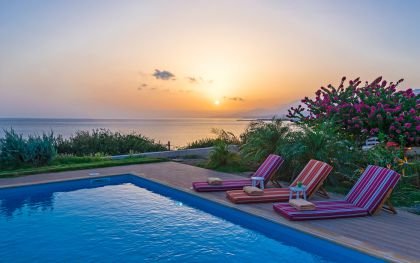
pixel 297 190
pixel 256 179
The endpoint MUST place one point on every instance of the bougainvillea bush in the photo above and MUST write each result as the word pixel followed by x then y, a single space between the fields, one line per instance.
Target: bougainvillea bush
pixel 362 111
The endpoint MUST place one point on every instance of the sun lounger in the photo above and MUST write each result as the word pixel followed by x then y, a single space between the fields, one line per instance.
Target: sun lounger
pixel 366 197
pixel 312 176
pixel 265 171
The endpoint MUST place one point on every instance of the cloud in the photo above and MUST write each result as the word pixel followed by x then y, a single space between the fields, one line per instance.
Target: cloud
pixel 198 80
pixel 234 98
pixel 192 79
pixel 163 75
pixel 142 86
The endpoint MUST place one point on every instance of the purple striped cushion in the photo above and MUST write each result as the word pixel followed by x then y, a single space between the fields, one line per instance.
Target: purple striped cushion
pixel 226 185
pixel 266 170
pixel 324 210
pixel 372 186
pixel 269 167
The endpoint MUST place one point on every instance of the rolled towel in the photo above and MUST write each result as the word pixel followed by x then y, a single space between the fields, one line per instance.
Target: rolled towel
pixel 214 181
pixel 252 190
pixel 302 204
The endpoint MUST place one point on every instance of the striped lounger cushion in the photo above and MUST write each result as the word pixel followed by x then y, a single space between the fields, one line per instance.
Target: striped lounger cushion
pixel 324 210
pixel 312 175
pixel 266 170
pixel 363 199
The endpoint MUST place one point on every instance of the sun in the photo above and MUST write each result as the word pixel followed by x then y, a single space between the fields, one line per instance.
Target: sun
pixel 217 102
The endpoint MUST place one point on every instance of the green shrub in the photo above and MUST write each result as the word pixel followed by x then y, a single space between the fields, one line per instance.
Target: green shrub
pixel 298 146
pixel 323 143
pixel 222 157
pixel 105 142
pixel 17 151
pixel 263 138
pixel 221 136
pixel 39 150
pixel 12 149
pixel 202 143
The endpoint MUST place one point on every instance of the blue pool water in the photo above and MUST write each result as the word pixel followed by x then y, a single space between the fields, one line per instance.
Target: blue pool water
pixel 128 219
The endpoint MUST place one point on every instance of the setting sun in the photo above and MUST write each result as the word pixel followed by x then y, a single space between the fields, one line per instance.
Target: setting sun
pixel 216 102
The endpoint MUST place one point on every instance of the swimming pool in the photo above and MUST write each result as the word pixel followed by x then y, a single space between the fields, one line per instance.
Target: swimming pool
pixel 129 219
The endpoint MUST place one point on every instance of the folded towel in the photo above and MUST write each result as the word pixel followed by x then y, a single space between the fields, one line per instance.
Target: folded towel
pixel 302 204
pixel 214 181
pixel 251 190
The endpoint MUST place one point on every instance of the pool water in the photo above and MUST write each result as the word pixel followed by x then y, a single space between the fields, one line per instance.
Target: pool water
pixel 116 220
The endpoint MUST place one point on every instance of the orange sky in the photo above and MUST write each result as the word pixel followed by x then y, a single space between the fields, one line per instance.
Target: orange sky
pixel 77 59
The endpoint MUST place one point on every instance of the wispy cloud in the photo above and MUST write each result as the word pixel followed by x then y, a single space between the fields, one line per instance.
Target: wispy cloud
pixel 163 75
pixel 142 86
pixel 192 80
pixel 234 98
pixel 198 80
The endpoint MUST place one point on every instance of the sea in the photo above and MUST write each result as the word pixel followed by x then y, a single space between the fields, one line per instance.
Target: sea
pixel 179 132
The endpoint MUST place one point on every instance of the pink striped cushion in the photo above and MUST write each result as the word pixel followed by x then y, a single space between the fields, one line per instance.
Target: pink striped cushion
pixel 269 167
pixel 312 174
pixel 226 185
pixel 324 210
pixel 371 188
pixel 266 170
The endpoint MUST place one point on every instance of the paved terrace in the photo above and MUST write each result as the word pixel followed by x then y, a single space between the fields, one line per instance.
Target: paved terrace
pixel 392 237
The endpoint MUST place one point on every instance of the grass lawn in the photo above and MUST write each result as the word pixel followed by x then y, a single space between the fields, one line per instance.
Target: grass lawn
pixel 69 163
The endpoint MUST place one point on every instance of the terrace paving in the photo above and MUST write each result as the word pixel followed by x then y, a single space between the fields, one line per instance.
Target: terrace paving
pixel 394 238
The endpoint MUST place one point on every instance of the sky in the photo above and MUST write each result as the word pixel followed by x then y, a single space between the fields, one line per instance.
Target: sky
pixel 160 59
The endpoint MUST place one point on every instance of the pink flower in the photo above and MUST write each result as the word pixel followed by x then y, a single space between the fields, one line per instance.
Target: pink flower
pixel 374 131
pixel 392 127
pixel 412 111
pixel 418 127
pixel 407 125
pixel 398 131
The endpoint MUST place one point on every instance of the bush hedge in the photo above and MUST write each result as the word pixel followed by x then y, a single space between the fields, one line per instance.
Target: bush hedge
pixel 105 142
pixel 17 151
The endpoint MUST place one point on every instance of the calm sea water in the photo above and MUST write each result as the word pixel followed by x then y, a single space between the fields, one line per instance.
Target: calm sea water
pixel 178 131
